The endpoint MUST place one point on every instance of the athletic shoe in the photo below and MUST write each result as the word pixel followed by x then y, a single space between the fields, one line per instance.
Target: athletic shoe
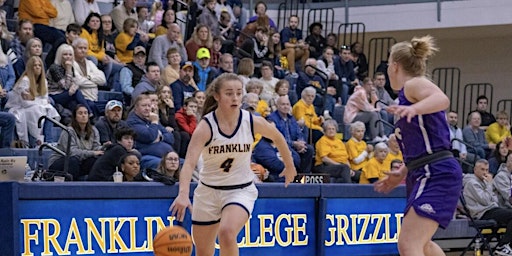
pixel 503 250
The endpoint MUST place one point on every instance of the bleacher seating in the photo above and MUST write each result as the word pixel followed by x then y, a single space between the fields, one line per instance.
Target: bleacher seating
pixel 105 96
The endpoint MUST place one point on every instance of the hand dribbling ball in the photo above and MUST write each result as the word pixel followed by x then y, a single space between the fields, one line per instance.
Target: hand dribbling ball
pixel 172 241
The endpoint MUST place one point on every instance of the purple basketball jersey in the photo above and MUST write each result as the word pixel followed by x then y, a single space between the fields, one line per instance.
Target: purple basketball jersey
pixel 425 134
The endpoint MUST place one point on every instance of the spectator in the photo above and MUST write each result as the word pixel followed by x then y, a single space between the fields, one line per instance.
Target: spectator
pixel 331 155
pixel 500 129
pixel 260 10
pixel 183 88
pixel 481 107
pixel 157 13
pixel 346 73
pixel 394 152
pixel 167 115
pixel 130 166
pixel 292 133
pixel 265 153
pixel 329 65
pixel 82 8
pixel 110 34
pixel 169 18
pixel 127 40
pixel 304 112
pixel 309 78
pixel 226 64
pixel 106 165
pixel 377 166
pixel 153 140
pixel 215 52
pixel 122 12
pixel 279 61
pixel 245 71
pixel 132 73
pixel 40 12
pixel 293 45
pixel 359 59
pixel 170 165
pixel 149 82
pixel 224 6
pixel 28 102
pixel 379 81
pixel 201 38
pixel 257 47
pixel 64 16
pixel 112 122
pixel 475 136
pixel 255 86
pixel 73 32
pixel 5 35
pixel 332 41
pixel 203 72
pixel 87 75
pixel 209 18
pixel 24 33
pixel 502 183
pixel 7 125
pixel 200 97
pixel 85 146
pixel 456 133
pixel 240 17
pixel 7 77
pixel 482 203
pixel 268 80
pixel 34 48
pixel 315 40
pixel 358 151
pixel 61 79
pixel 145 24
pixel 283 89
pixel 499 157
pixel 162 43
pixel 186 116
pixel 171 72
pixel 228 33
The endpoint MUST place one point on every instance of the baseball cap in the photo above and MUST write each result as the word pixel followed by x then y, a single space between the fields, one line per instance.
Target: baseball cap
pixel 139 49
pixel 203 53
pixel 112 104
pixel 186 64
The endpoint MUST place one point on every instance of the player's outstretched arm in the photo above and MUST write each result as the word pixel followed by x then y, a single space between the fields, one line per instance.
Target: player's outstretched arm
pixel 268 130
pixel 391 181
pixel 199 138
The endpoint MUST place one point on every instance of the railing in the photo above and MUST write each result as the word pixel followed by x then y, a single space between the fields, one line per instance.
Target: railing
pixel 448 79
pixel 505 105
pixel 66 154
pixel 378 52
pixel 471 93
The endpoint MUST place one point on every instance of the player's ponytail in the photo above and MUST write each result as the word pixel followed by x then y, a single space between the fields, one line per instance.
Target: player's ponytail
pixel 412 56
pixel 210 104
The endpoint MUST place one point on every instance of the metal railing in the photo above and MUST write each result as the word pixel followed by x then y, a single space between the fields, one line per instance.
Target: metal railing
pixel 448 79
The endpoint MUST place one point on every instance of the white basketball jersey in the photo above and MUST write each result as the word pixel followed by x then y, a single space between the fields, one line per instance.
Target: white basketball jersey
pixel 227 157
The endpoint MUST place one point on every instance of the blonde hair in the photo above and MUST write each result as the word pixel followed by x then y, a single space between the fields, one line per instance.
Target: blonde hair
pixel 195 36
pixel 357 125
pixel 412 56
pixel 37 84
pixel 210 104
pixel 246 67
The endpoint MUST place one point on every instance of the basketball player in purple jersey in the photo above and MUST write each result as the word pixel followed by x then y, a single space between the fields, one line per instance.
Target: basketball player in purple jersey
pixel 434 177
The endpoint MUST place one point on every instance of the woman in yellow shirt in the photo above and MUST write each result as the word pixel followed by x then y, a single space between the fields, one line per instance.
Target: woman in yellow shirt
pixel 304 112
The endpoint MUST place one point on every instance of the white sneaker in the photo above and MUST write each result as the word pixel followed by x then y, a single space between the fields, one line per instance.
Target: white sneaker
pixel 384 138
pixel 377 139
pixel 503 250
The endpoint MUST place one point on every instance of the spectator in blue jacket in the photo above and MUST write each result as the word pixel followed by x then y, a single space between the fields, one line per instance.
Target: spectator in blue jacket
pixel 203 72
pixel 310 78
pixel 183 88
pixel 153 140
pixel 292 133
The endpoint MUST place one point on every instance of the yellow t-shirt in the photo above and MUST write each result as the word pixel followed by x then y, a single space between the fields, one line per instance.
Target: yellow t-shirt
pixel 373 169
pixel 354 149
pixel 333 148
pixel 301 111
pixel 391 156
pixel 496 133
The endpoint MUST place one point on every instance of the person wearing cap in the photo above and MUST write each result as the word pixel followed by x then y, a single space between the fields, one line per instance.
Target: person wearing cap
pixel 203 73
pixel 182 88
pixel 128 40
pixel 162 43
pixel 109 124
pixel 132 73
pixel 149 82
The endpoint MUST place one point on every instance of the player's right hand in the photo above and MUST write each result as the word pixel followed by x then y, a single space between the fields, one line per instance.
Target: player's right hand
pixel 179 207
pixel 289 175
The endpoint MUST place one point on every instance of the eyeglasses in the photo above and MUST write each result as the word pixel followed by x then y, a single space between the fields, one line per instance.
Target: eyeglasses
pixel 172 159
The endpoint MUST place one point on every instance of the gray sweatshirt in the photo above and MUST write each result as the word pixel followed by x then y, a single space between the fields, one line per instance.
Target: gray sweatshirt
pixel 502 186
pixel 479 195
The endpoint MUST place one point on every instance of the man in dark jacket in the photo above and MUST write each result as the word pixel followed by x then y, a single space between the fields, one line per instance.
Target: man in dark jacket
pixel 108 125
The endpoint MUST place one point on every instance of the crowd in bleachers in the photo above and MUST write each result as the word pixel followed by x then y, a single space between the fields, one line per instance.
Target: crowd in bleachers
pixel 62 58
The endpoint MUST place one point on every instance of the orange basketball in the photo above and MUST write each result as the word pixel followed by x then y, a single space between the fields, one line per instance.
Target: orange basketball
pixel 172 241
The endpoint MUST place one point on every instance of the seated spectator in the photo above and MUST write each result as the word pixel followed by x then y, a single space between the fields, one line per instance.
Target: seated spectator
pixel 394 152
pixel 245 71
pixel 145 23
pixel 250 103
pixel 500 129
pixel 34 48
pixel 239 16
pixel 85 146
pixel 132 73
pixel 499 157
pixel 279 61
pixel 458 148
pixel 61 83
pixel 304 112
pixel 7 77
pixel 24 33
pixel 224 6
pixel 7 125
pixel 332 41
pixel 331 155
pixel 153 140
pixel 110 34
pixel 228 33
pixel 161 44
pixel 88 76
pixel 309 78
pixel 157 13
pixel 358 108
pixel 201 38
pixel 130 166
pixel 109 124
pixel 167 115
pixel 122 12
pixel 29 101
pixel 215 52
pixel 186 116
pixel 73 32
pixel 200 97
pixel 482 203
pixel 82 8
pixel 268 81
pixel 260 10
pixel 360 61
pixel 40 12
pixel 171 72
pixel 377 166
pixel 149 82
pixel 265 153
pixel 203 72
pixel 475 136
pixel 385 100
pixel 168 18
pixel 329 64
pixel 315 40
pixel 502 183
pixel 481 107
pixel 183 88
pixel 255 86
pixel 209 18
pixel 358 152
pixel 283 89
pixel 106 165
pixel 225 64
pixel 127 40
pixel 170 165
pixel 346 71
pixel 64 16
pixel 288 126
pixel 257 48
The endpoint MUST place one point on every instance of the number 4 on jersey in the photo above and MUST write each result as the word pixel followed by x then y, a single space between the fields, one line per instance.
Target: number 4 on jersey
pixel 227 164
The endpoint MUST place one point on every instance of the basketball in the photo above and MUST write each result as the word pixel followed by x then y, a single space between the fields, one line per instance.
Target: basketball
pixel 172 241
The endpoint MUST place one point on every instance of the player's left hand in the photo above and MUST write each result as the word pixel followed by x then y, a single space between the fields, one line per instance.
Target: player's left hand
pixel 403 111
pixel 289 174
